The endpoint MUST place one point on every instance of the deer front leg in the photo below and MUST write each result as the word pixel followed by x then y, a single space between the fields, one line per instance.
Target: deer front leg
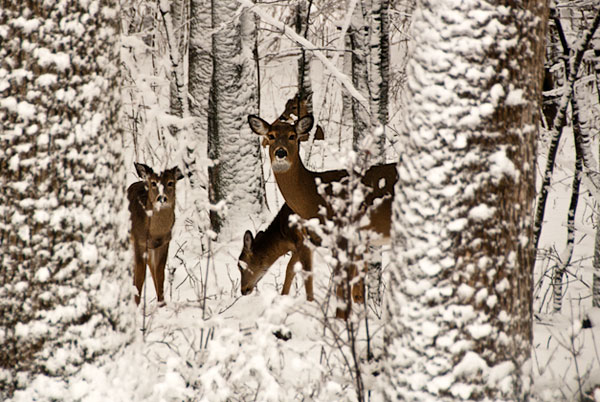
pixel 158 260
pixel 139 270
pixel 289 274
pixel 306 261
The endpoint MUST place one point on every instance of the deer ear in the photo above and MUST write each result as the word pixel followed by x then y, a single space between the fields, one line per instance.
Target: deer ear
pixel 248 240
pixel 304 125
pixel 258 125
pixel 177 173
pixel 143 170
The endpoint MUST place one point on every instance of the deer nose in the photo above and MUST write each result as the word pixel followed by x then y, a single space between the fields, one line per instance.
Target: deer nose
pixel 161 198
pixel 246 291
pixel 281 153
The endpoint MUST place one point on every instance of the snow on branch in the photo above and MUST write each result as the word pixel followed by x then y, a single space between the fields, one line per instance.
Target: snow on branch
pixel 291 33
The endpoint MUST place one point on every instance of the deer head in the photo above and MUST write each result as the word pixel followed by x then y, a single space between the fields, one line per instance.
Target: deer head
pixel 250 264
pixel 283 140
pixel 160 187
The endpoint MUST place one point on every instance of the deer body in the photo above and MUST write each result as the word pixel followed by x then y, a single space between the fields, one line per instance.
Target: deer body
pixel 152 212
pixel 298 185
pixel 258 254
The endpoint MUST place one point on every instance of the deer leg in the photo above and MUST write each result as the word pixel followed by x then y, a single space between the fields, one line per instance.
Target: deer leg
pixel 343 294
pixel 139 270
pixel 306 261
pixel 289 274
pixel 157 269
pixel 358 286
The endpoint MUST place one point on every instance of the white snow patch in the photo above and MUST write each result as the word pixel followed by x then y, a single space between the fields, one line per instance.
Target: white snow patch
pixel 501 372
pixel 429 267
pixel 42 274
pixel 460 142
pixel 89 254
pixel 501 165
pixel 515 98
pixel 45 80
pixel 26 110
pixel 45 57
pixel 470 365
pixel 430 329
pixel 482 294
pixel 458 225
pixel 482 212
pixel 24 233
pixel 465 292
pixel 492 301
pixel 502 286
pixel 496 92
pixel 28 26
pixel 479 331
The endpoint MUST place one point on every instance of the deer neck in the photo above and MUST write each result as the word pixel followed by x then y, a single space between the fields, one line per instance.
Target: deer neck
pixel 159 221
pixel 271 245
pixel 298 187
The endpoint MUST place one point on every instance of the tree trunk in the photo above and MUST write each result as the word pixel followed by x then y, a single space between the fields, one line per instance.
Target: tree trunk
pixel 459 303
pixel 65 299
pixel 235 176
pixel 199 80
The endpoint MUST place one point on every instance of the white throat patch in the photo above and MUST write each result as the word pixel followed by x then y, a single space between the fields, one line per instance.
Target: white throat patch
pixel 280 165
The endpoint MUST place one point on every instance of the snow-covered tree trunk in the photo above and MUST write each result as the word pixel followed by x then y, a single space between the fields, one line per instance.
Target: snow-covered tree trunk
pixel 199 79
pixel 235 176
pixel 459 298
pixel 65 298
pixel 174 16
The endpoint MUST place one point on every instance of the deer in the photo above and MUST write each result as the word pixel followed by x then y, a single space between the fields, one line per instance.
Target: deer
pixel 299 186
pixel 152 212
pixel 260 253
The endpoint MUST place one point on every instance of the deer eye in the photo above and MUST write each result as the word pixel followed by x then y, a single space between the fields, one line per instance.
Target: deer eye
pixel 271 137
pixel 292 137
pixel 171 183
pixel 154 184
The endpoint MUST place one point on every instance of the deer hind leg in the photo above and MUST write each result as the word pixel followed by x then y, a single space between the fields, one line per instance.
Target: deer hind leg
pixel 158 260
pixel 358 285
pixel 343 293
pixel 289 274
pixel 139 270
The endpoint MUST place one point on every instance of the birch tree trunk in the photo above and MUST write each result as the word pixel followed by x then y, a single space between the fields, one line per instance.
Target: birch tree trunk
pixel 304 61
pixel 459 301
pixel 64 299
pixel 369 46
pixel 358 33
pixel 235 177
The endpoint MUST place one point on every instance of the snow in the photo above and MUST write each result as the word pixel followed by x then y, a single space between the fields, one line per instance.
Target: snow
pixel 481 213
pixel 46 57
pixel 174 359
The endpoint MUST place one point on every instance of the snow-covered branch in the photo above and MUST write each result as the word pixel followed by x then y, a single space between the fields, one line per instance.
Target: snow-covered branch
pixel 291 33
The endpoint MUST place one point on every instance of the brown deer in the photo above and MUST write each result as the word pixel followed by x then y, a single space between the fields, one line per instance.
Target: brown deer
pixel 258 254
pixel 152 209
pixel 298 185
